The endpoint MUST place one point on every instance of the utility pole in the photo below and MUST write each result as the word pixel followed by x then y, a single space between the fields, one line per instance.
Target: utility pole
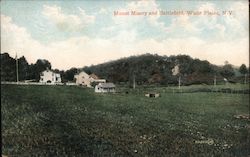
pixel 17 79
pixel 179 80
pixel 214 80
pixel 245 81
pixel 133 80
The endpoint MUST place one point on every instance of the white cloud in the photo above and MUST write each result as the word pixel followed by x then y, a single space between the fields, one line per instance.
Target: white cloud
pixel 15 39
pixel 214 52
pixel 143 5
pixel 193 25
pixel 207 21
pixel 67 22
pixel 222 27
pixel 183 23
pixel 103 11
pixel 238 23
pixel 86 19
pixel 80 51
pixel 138 6
pixel 240 10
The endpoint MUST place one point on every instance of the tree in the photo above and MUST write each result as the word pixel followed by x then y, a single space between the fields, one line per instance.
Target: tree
pixel 42 64
pixel 38 67
pixel 23 68
pixel 69 74
pixel 227 70
pixel 62 74
pixel 204 67
pixel 185 63
pixel 8 68
pixel 243 69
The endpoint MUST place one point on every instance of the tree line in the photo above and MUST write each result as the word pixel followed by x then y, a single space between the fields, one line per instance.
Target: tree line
pixel 28 71
pixel 156 69
pixel 144 69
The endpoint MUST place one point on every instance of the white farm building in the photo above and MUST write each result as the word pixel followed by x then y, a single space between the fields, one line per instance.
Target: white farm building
pixel 84 79
pixel 50 77
pixel 105 88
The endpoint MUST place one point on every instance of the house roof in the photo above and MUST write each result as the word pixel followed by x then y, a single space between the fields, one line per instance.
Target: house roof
pixel 82 73
pixel 49 70
pixel 106 85
pixel 94 76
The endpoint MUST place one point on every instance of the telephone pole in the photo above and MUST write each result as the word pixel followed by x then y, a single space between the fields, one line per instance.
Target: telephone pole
pixel 17 79
pixel 179 80
pixel 245 80
pixel 134 81
pixel 214 80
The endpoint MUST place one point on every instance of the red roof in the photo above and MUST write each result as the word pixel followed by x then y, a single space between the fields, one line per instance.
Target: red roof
pixel 94 76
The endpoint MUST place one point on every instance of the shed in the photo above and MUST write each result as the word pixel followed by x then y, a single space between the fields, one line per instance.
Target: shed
pixel 105 88
pixel 154 95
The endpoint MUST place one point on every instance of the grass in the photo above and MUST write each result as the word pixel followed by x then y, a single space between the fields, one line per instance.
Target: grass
pixel 237 88
pixel 74 121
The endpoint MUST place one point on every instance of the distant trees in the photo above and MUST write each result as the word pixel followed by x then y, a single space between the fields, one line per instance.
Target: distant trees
pixel 42 64
pixel 69 74
pixel 25 71
pixel 23 68
pixel 157 69
pixel 243 69
pixel 185 63
pixel 8 68
pixel 227 70
pixel 144 69
pixel 38 67
pixel 203 67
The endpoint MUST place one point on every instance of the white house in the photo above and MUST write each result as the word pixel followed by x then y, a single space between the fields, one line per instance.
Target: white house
pixel 84 79
pixel 50 77
pixel 105 88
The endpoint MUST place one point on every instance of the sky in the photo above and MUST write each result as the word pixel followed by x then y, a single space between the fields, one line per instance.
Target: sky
pixel 82 33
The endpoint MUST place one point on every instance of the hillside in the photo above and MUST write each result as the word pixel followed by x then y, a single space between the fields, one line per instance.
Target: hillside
pixel 144 69
pixel 155 69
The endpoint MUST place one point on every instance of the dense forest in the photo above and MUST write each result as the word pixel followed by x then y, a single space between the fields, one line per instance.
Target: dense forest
pixel 144 69
pixel 155 69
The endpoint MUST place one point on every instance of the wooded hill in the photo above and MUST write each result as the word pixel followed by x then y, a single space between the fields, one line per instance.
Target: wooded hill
pixel 144 69
pixel 156 69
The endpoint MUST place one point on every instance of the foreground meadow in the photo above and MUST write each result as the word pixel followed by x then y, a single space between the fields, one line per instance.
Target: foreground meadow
pixel 74 121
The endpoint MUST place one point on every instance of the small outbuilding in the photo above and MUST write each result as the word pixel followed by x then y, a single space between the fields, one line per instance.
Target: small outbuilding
pixel 154 95
pixel 105 88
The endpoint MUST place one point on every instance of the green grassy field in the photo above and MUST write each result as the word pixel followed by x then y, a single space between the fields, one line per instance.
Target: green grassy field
pixel 75 121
